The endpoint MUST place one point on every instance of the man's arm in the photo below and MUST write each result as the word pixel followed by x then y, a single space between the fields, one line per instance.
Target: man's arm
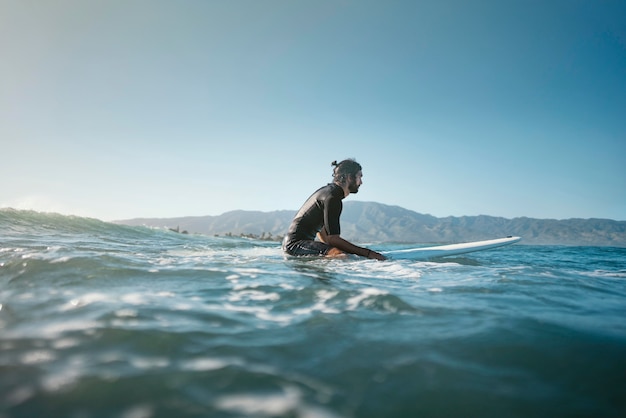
pixel 346 246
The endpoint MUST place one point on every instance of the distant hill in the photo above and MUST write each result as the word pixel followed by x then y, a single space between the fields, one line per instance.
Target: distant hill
pixel 376 222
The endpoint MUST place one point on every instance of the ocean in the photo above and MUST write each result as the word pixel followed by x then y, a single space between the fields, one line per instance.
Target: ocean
pixel 105 320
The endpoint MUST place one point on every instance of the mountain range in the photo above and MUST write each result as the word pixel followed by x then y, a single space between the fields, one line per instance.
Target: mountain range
pixel 375 222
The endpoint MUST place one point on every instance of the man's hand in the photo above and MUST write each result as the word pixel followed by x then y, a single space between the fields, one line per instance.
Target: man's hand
pixel 322 236
pixel 376 255
pixel 345 246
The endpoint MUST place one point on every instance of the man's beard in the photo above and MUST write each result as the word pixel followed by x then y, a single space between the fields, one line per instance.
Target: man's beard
pixel 353 187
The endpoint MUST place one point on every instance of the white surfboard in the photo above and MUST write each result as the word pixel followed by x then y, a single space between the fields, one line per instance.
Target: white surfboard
pixel 424 253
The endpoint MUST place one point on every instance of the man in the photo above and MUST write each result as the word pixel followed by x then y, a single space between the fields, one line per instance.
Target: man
pixel 320 216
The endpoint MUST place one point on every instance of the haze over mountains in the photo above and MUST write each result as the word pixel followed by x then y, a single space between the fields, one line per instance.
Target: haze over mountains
pixel 376 222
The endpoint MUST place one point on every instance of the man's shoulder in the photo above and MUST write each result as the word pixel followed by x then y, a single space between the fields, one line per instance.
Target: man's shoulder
pixel 332 190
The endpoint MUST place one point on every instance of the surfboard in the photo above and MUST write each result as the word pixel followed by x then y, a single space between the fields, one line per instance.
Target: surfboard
pixel 425 253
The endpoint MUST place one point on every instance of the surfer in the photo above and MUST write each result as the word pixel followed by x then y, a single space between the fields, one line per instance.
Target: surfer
pixel 319 216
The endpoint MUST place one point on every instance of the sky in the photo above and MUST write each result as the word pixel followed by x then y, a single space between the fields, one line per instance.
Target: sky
pixel 157 108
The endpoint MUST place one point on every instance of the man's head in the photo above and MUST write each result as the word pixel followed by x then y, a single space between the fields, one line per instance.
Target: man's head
pixel 348 173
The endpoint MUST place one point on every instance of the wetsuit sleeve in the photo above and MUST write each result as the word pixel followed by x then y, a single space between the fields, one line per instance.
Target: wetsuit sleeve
pixel 332 212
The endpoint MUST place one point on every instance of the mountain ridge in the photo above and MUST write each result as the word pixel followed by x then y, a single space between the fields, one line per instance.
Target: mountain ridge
pixel 377 222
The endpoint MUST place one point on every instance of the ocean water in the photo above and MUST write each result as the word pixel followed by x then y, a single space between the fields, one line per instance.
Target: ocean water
pixel 103 320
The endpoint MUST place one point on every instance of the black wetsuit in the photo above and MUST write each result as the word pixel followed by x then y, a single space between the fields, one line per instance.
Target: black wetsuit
pixel 321 210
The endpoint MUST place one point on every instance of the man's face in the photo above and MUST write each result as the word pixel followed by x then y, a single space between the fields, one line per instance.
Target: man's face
pixel 355 182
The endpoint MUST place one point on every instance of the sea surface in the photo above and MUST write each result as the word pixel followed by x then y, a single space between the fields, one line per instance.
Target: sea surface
pixel 104 320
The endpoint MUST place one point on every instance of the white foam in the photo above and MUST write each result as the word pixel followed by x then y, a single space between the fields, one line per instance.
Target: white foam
pixel 249 272
pixel 37 357
pixel 62 379
pixel 204 364
pixel 355 301
pixel 85 300
pixel 259 312
pixel 288 402
pixel 58 328
pixel 126 313
pixel 62 343
pixel 18 395
pixel 255 295
pixel 381 270
pixel 323 296
pixel 138 411
pixel 149 363
pixel 277 404
pixel 134 299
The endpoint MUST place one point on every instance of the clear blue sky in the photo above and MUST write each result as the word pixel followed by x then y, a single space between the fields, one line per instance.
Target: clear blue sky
pixel 159 108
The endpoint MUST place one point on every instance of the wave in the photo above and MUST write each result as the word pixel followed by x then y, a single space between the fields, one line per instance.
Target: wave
pixel 24 221
pixel 45 227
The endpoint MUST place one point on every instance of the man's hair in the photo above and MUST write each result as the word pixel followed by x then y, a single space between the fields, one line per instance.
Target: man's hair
pixel 344 169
